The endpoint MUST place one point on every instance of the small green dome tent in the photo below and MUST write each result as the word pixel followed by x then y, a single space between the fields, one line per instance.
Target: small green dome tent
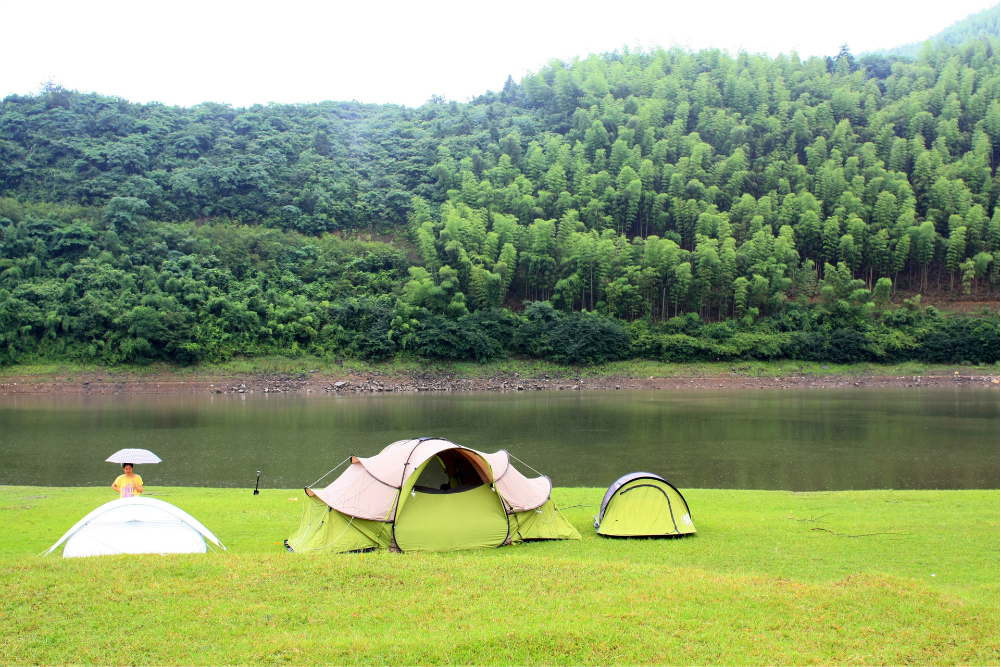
pixel 642 504
pixel 428 494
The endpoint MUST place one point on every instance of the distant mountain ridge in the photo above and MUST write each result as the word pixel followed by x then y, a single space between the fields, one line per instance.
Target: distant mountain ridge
pixel 986 22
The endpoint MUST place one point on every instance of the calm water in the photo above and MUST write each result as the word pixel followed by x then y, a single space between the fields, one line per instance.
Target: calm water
pixel 784 439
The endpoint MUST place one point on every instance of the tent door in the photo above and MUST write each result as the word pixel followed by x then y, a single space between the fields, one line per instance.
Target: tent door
pixel 670 508
pixel 644 509
pixel 464 518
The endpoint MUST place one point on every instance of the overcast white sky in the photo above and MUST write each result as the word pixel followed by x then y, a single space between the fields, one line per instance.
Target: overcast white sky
pixel 185 51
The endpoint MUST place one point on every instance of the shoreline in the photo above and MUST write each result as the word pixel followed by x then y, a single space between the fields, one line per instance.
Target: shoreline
pixel 111 382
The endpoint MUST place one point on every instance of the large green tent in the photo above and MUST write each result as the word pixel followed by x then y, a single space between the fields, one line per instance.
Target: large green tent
pixel 428 494
pixel 642 504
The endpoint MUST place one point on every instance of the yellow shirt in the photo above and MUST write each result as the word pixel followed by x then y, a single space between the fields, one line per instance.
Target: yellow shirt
pixel 127 487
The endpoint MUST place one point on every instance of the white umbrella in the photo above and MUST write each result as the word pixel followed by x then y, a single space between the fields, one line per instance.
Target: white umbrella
pixel 133 456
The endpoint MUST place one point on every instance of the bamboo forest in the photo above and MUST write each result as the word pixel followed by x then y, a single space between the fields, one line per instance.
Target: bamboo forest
pixel 661 204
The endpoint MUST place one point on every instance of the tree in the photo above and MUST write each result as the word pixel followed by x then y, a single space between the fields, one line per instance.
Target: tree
pixel 707 269
pixel 847 252
pixel 556 179
pixel 900 255
pixel 808 235
pixel 927 238
pixel 955 252
pixel 506 264
pixel 740 296
pixel 881 293
pixel 969 273
pixel 831 238
pixel 682 284
pixel 124 213
pixel 487 288
pixel 596 139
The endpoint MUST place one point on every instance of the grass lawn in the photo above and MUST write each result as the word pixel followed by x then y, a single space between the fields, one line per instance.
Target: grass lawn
pixel 758 584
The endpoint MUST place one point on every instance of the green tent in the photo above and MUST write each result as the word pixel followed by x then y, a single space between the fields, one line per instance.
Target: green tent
pixel 428 494
pixel 642 504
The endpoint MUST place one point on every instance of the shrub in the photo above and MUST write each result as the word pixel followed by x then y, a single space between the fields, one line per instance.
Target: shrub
pixel 587 339
pixel 441 338
pixel 962 339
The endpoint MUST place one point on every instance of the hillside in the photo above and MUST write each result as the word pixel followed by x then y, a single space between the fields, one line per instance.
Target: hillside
pixel 981 25
pixel 663 204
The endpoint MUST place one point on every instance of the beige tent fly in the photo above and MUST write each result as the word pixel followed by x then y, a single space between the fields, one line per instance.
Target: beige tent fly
pixel 428 494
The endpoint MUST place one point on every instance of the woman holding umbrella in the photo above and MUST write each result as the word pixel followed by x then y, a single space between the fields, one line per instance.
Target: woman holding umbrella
pixel 128 485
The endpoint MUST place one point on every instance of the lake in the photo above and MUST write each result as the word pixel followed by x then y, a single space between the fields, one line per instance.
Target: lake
pixel 798 440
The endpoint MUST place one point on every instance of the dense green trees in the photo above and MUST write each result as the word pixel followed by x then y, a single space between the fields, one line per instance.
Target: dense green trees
pixel 664 191
pixel 629 193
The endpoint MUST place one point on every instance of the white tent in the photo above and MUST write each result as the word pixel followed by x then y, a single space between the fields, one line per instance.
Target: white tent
pixel 135 526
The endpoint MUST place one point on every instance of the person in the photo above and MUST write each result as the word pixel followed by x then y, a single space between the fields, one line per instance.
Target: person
pixel 128 485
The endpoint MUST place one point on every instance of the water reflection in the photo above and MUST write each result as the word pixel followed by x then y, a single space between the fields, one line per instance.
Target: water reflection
pixel 770 439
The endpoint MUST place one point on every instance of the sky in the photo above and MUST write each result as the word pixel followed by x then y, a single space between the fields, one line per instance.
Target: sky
pixel 184 52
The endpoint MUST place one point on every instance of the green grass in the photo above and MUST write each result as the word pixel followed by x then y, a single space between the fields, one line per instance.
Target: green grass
pixel 470 369
pixel 758 584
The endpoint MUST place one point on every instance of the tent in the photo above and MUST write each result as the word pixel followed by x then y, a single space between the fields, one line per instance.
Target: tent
pixel 428 494
pixel 642 504
pixel 135 526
